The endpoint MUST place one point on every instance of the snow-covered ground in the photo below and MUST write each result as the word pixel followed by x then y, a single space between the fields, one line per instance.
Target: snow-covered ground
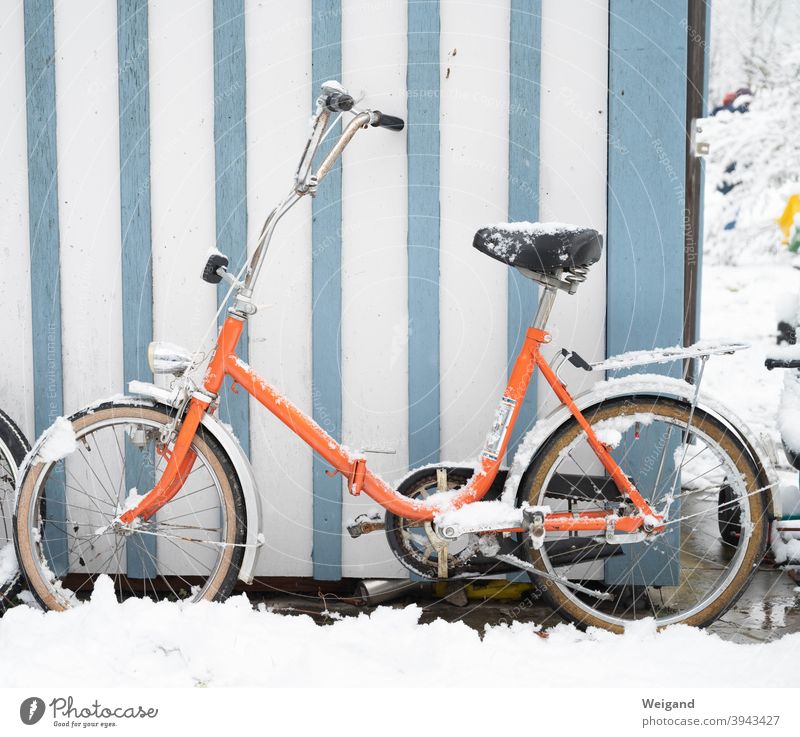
pixel 140 643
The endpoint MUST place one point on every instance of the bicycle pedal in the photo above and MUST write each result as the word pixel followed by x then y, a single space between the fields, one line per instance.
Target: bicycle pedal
pixel 533 520
pixel 364 524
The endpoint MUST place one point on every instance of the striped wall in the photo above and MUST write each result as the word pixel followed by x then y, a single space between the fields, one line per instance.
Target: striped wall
pixel 137 134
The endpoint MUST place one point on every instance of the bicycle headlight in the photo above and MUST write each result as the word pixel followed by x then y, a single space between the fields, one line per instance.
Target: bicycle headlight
pixel 168 358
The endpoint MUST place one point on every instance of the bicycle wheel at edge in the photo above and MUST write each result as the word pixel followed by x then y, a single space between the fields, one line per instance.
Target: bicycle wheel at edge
pixel 13 449
pixel 697 557
pixel 190 550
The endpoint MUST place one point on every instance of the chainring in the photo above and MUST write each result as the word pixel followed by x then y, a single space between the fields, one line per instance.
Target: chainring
pixel 415 543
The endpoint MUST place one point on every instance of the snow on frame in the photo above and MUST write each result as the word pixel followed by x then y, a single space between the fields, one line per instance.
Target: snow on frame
pixel 141 643
pixel 610 431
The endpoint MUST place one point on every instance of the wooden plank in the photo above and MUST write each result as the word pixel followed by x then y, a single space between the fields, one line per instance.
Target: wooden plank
pixel 326 279
pixel 525 59
pixel 16 372
pixel 374 340
pixel 230 157
pixel 278 65
pixel 87 139
pixel 473 191
pixel 423 232
pixel 646 200
pixel 40 84
pixel 137 273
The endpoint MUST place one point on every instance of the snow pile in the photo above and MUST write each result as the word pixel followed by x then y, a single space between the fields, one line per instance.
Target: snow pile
pixel 140 643
pixel 787 308
pixel 740 302
pixel 8 563
pixel 785 545
pixel 59 441
pixel 756 153
pixel 789 412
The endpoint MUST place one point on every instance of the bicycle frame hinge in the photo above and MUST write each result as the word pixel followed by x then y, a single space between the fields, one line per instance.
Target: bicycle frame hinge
pixel 355 484
pixel 356 476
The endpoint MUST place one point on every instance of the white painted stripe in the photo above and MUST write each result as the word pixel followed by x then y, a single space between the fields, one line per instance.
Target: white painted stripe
pixel 182 173
pixel 573 150
pixel 474 192
pixel 182 167
pixel 88 169
pixel 374 269
pixel 278 49
pixel 16 369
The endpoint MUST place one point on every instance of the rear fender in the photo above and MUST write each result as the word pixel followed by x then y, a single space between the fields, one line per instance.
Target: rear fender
pixel 654 385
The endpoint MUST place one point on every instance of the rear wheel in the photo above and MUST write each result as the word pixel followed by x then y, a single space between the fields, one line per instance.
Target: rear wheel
pixel 191 549
pixel 681 461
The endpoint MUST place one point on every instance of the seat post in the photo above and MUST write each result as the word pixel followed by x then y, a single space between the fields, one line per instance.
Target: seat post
pixel 546 302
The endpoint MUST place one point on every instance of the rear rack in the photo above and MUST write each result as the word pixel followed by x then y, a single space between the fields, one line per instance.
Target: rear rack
pixel 703 349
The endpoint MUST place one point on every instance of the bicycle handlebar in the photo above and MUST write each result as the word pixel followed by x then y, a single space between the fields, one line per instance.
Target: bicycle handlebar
pixel 333 99
pixel 390 122
pixel 773 363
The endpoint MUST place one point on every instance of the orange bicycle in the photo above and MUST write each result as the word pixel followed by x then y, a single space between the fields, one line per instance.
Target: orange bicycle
pixel 611 503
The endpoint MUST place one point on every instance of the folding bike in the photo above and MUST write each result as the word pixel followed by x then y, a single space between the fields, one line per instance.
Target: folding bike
pixel 612 503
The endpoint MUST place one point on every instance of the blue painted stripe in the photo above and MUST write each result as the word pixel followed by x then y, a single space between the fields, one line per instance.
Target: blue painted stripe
pixel 230 159
pixel 646 175
pixel 525 60
pixel 137 270
pixel 701 218
pixel 326 281
pixel 423 79
pixel 40 89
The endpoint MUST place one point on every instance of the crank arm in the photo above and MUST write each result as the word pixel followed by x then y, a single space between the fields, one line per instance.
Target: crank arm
pixel 525 566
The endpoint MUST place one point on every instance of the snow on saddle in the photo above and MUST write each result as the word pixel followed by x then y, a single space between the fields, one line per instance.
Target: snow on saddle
pixel 542 251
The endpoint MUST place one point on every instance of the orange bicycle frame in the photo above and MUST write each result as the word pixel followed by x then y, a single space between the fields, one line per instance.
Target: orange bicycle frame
pixel 225 362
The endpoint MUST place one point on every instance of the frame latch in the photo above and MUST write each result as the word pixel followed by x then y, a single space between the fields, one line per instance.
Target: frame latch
pixel 355 483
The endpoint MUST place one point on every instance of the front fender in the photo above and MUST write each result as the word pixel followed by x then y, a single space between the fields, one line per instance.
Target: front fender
pixel 651 385
pixel 240 461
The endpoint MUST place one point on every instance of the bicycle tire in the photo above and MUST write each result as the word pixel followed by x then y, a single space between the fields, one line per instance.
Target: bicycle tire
pixel 52 590
pixel 13 449
pixel 586 611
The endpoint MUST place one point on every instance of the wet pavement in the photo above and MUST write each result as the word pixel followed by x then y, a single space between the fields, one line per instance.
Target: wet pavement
pixel 769 608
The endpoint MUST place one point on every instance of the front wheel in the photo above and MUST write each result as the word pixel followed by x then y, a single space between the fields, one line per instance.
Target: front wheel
pixel 94 467
pixel 680 461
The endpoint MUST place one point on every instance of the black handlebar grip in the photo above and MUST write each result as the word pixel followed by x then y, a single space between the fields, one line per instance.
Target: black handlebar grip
pixel 390 122
pixel 773 363
pixel 339 102
pixel 215 260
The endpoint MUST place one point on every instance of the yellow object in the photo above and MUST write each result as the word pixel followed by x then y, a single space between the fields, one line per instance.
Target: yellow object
pixel 498 589
pixel 786 220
